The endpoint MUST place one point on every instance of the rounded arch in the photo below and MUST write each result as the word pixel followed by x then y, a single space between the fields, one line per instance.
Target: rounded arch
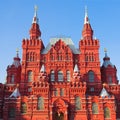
pixel 91 76
pixel 106 112
pixel 94 108
pixel 30 76
pixel 77 102
pixel 40 103
pixel 52 75
pixel 60 75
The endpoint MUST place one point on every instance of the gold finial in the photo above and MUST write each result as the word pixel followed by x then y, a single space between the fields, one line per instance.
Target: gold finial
pixel 36 8
pixel 17 51
pixel 105 50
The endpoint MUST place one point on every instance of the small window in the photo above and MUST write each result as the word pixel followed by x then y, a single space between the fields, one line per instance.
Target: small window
pixel 30 76
pixel 68 75
pixel 94 108
pixel 91 76
pixel 106 112
pixel 12 79
pixel 52 75
pixel 40 103
pixel 109 79
pixel 11 112
pixel 60 76
pixel 77 103
pixel 56 92
pixel 61 91
pixel 23 108
pixel 92 89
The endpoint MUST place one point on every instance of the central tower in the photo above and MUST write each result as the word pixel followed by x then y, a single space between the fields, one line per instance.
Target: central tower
pixel 89 56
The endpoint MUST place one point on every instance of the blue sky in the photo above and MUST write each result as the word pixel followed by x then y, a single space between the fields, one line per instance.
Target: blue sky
pixel 56 18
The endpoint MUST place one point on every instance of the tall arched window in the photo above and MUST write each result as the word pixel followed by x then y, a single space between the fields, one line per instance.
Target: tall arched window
pixel 106 112
pixel 94 108
pixel 61 91
pixel 91 76
pixel 30 76
pixel 23 107
pixel 68 75
pixel 56 92
pixel 60 76
pixel 11 112
pixel 40 103
pixel 77 103
pixel 109 79
pixel 52 75
pixel 12 79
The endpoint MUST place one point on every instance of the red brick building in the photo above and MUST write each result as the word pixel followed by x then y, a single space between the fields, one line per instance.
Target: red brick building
pixel 59 81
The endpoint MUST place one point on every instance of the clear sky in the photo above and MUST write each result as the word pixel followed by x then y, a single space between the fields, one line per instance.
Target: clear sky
pixel 58 18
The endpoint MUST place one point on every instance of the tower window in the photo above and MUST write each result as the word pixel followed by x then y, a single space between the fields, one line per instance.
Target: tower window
pixel 61 92
pixel 60 76
pixel 11 112
pixel 91 76
pixel 40 103
pixel 106 112
pixel 12 79
pixel 30 76
pixel 68 75
pixel 77 103
pixel 23 107
pixel 92 89
pixel 52 75
pixel 56 92
pixel 109 79
pixel 94 108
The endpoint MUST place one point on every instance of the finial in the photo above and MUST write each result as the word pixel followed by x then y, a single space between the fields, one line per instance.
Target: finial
pixel 86 11
pixel 35 19
pixel 17 51
pixel 36 8
pixel 105 50
pixel 86 20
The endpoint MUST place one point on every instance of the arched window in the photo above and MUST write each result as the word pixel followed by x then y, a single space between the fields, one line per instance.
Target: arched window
pixel 86 58
pixel 52 75
pixel 61 91
pixel 56 92
pixel 106 112
pixel 12 79
pixel 40 103
pixel 109 79
pixel 68 75
pixel 30 76
pixel 77 103
pixel 91 76
pixel 23 107
pixel 60 76
pixel 11 112
pixel 94 108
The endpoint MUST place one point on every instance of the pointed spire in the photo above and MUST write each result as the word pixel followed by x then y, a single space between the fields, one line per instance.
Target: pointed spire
pixel 42 68
pixel 104 93
pixel 87 32
pixel 15 93
pixel 17 52
pixel 35 18
pixel 86 19
pixel 76 68
pixel 35 32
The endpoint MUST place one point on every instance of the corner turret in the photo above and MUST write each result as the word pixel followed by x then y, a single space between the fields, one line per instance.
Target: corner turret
pixel 108 71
